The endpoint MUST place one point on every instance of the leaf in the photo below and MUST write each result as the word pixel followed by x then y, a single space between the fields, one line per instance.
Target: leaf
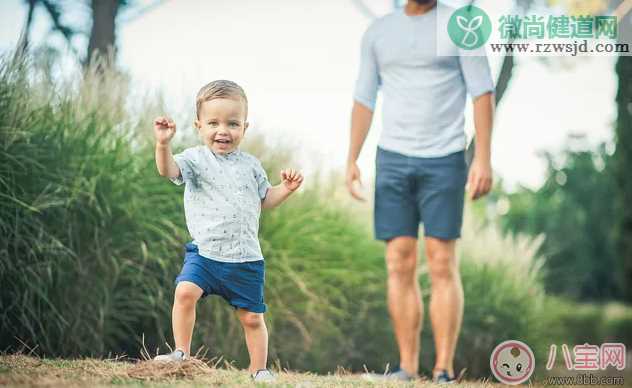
pixel 476 22
pixel 462 22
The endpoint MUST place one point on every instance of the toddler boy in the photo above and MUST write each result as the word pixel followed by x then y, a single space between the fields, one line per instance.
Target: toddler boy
pixel 225 190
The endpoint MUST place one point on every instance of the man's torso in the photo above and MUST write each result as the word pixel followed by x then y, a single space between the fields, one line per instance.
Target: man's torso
pixel 424 94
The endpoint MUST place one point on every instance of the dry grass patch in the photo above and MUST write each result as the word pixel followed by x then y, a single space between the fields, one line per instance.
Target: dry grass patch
pixel 21 371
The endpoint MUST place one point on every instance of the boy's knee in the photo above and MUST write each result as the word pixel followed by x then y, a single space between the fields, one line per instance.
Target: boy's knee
pixel 187 294
pixel 251 320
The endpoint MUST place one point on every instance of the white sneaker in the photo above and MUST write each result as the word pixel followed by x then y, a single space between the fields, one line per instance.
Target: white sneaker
pixel 263 376
pixel 398 375
pixel 175 356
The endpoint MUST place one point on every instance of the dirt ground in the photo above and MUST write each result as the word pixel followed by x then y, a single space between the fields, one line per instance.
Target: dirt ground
pixel 27 371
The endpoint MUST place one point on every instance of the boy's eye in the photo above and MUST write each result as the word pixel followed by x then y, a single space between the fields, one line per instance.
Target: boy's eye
pixel 234 124
pixel 212 123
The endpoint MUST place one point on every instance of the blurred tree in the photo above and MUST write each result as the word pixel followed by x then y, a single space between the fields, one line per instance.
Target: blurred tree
pixel 623 158
pixel 53 9
pixel 617 172
pixel 24 37
pixel 623 134
pixel 574 211
pixel 102 34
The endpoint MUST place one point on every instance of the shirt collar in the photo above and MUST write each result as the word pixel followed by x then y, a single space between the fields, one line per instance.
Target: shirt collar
pixel 231 156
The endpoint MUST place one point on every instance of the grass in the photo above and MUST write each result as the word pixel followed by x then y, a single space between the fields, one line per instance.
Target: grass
pixel 21 370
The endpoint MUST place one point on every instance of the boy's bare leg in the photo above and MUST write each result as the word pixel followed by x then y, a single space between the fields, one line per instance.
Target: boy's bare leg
pixel 183 314
pixel 404 299
pixel 446 301
pixel 256 334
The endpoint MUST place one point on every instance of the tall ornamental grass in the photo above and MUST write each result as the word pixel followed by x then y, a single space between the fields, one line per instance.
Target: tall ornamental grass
pixel 83 248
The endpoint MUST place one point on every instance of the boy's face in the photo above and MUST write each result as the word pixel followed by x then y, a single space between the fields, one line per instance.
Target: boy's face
pixel 222 124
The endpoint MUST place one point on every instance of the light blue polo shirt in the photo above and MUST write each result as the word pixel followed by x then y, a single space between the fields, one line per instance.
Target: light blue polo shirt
pixel 222 202
pixel 424 94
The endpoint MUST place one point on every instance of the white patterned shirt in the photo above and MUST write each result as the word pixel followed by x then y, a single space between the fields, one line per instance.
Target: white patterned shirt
pixel 222 202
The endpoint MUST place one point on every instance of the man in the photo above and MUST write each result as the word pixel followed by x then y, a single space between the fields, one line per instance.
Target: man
pixel 421 171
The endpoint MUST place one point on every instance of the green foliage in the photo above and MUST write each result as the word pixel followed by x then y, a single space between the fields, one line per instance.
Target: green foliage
pixel 574 211
pixel 577 323
pixel 83 256
pixel 622 162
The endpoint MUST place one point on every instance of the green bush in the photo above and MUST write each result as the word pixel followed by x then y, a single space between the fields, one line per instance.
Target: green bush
pixel 83 252
pixel 575 323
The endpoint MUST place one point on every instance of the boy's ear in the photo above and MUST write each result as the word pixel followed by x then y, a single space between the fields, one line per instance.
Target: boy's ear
pixel 197 124
pixel 246 124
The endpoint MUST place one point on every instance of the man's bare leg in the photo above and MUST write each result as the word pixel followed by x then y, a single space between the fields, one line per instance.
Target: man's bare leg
pixel 446 301
pixel 404 299
pixel 183 314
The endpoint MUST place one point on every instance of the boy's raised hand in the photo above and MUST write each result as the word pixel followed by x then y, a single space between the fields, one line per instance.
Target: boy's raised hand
pixel 164 130
pixel 292 179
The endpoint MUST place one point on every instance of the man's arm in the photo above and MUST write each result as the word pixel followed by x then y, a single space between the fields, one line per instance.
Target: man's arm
pixel 362 112
pixel 480 176
pixel 361 117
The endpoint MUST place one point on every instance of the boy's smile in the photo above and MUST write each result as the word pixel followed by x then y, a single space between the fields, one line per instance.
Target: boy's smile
pixel 222 124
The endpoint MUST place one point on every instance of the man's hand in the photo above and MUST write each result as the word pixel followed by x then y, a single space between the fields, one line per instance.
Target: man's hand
pixel 479 181
pixel 353 175
pixel 292 179
pixel 164 130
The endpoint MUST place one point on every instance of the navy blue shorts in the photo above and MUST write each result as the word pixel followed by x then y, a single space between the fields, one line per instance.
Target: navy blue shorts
pixel 240 284
pixel 412 190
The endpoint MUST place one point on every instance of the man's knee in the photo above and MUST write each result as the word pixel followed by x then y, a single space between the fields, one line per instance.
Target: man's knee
pixel 442 264
pixel 401 258
pixel 250 320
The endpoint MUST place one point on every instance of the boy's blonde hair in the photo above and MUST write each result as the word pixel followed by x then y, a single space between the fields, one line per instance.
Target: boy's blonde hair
pixel 219 89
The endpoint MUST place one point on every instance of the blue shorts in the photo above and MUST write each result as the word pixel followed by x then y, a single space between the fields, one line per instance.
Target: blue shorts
pixel 412 190
pixel 240 284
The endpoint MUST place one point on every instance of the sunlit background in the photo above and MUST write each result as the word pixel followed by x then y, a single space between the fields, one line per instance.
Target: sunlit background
pixel 298 62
